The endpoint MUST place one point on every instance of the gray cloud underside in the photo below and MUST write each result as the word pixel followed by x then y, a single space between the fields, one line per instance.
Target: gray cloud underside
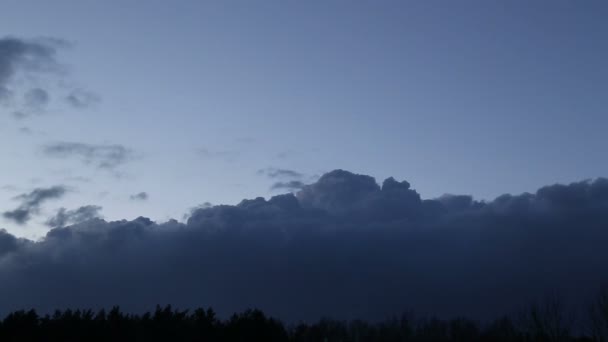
pixel 100 156
pixel 31 202
pixel 343 246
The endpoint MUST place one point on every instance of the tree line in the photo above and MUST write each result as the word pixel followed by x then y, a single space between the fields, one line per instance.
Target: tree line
pixel 544 322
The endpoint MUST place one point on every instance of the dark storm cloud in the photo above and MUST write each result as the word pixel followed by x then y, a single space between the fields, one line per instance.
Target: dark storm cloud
pixel 344 246
pixel 142 196
pixel 31 203
pixel 65 217
pixel 100 156
pixel 8 243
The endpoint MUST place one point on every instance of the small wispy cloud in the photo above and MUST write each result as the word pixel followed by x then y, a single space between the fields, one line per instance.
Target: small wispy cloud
pixel 284 179
pixel 293 185
pixel 272 172
pixel 100 156
pixel 226 155
pixel 36 98
pixel 32 201
pixel 142 196
pixel 80 98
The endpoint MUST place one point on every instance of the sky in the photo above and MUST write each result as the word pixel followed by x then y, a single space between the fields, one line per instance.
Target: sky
pixel 470 97
pixel 160 112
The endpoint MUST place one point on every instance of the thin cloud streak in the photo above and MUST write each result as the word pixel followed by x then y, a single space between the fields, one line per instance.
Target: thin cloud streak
pixel 100 156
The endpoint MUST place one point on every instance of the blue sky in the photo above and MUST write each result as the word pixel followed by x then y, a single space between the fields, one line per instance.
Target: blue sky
pixel 468 97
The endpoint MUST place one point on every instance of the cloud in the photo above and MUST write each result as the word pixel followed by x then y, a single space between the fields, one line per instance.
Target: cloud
pixel 36 98
pixel 25 130
pixel 31 203
pixel 80 98
pixel 280 173
pixel 28 58
pixel 65 217
pixel 8 243
pixel 25 64
pixel 25 55
pixel 142 196
pixel 286 154
pixel 344 246
pixel 227 155
pixel 100 156
pixel 286 179
pixel 8 187
pixel 5 95
pixel 204 205
pixel 289 185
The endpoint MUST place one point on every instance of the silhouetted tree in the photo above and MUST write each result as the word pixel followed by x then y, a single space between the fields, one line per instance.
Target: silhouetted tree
pixel 542 322
pixel 599 317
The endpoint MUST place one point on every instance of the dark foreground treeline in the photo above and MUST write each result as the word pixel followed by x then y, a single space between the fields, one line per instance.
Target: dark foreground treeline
pixel 543 322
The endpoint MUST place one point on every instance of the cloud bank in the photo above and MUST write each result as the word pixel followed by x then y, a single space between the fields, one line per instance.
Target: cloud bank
pixel 343 246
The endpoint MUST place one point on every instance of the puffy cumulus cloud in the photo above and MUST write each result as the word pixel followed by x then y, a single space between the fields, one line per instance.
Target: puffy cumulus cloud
pixel 31 203
pixel 65 217
pixel 358 197
pixel 344 246
pixel 100 156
